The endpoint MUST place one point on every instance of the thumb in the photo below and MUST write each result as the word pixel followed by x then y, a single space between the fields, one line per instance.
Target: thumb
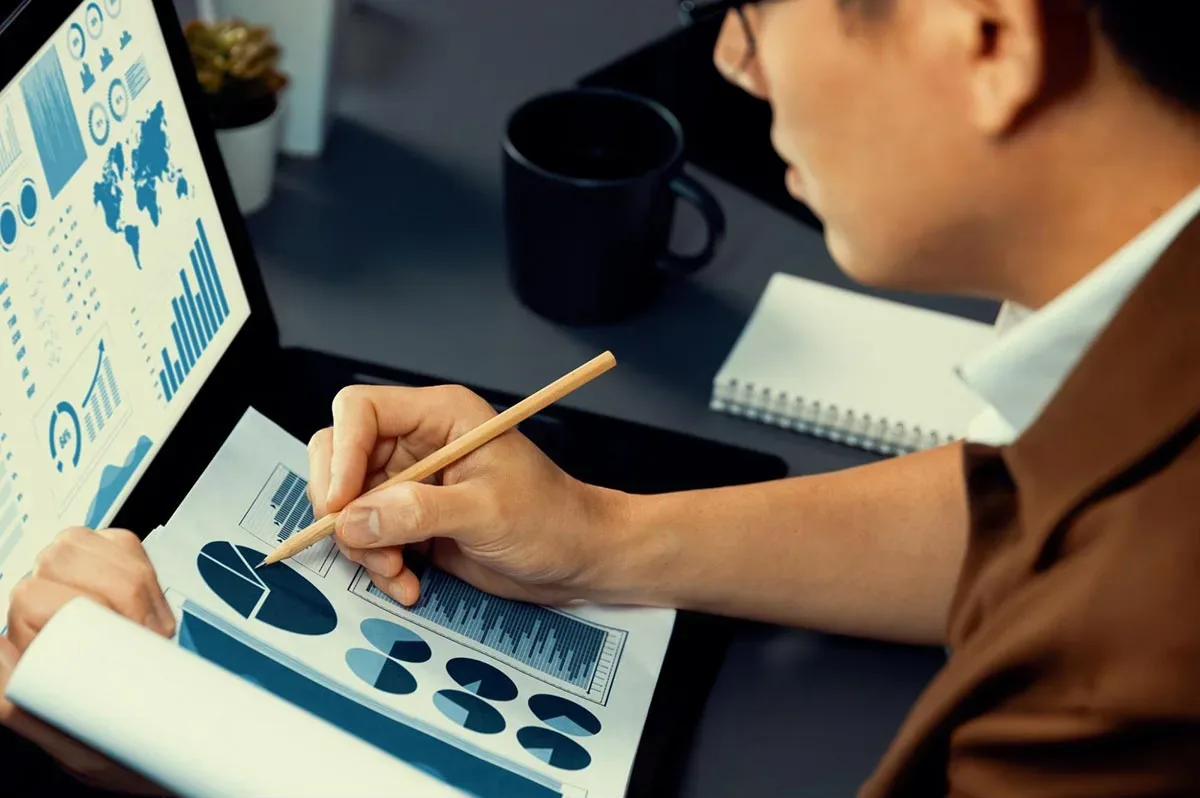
pixel 413 512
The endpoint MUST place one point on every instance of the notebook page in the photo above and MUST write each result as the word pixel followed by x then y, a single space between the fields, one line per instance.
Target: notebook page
pixel 861 353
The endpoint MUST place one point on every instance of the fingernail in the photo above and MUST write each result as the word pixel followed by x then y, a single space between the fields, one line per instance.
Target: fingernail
pixel 402 590
pixel 361 527
pixel 376 562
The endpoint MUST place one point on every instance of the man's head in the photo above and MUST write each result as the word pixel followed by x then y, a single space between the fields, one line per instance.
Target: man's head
pixel 943 142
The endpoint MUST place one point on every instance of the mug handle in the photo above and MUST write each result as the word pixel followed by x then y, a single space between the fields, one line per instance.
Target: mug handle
pixel 689 189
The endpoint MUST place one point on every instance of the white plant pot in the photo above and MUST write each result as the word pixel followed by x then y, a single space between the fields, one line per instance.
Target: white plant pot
pixel 250 154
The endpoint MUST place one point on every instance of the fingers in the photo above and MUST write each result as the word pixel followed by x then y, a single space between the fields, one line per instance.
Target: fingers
pixel 404 588
pixel 320 452
pixel 414 512
pixel 366 415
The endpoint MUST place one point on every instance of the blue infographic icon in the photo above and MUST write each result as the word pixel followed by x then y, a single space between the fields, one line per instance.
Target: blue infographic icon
pixel 66 437
pixel 87 78
pixel 395 641
pixel 113 480
pixel 113 7
pixel 481 679
pixel 469 712
pixel 118 100
pixel 93 19
pixel 28 203
pixel 380 672
pixel 98 125
pixel 126 39
pixel 76 41
pixel 564 716
pixel 276 595
pixel 553 748
pixel 8 227
pixel 55 128
pixel 106 59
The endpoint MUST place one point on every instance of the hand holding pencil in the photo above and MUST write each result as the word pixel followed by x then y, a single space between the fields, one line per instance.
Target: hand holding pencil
pixel 498 516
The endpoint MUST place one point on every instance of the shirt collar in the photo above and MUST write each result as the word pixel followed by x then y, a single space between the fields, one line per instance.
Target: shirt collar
pixel 1019 373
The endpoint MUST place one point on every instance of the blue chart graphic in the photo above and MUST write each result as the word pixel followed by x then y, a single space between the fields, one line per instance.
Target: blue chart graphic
pixel 481 679
pixel 469 712
pixel 8 227
pixel 98 124
pixel 28 203
pixel 10 145
pixel 113 7
pixel 87 78
pixel 198 316
pixel 126 40
pixel 280 509
pixel 570 653
pixel 76 41
pixel 106 59
pixel 118 98
pixel 94 20
pixel 275 595
pixel 380 672
pixel 103 397
pixel 66 437
pixel 12 521
pixel 12 332
pixel 55 130
pixel 113 480
pixel 74 429
pixel 553 748
pixel 564 716
pixel 455 762
pixel 137 77
pixel 395 641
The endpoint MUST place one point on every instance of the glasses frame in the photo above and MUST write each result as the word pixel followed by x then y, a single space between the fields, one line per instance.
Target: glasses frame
pixel 692 12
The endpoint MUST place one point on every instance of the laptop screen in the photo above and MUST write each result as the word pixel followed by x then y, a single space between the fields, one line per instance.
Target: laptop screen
pixel 118 286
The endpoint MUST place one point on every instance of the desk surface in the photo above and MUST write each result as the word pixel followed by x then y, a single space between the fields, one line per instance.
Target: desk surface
pixel 396 232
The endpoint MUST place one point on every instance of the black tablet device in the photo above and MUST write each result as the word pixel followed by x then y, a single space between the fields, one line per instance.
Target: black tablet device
pixel 135 329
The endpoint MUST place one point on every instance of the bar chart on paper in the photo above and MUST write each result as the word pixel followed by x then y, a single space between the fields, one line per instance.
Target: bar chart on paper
pixel 568 652
pixel 198 311
pixel 281 509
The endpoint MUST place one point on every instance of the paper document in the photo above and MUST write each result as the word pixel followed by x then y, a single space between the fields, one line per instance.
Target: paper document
pixel 494 698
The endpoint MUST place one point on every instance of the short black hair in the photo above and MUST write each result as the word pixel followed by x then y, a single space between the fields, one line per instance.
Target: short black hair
pixel 1158 39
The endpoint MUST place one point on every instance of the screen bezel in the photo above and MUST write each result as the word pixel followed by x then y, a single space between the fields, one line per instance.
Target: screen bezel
pixel 25 27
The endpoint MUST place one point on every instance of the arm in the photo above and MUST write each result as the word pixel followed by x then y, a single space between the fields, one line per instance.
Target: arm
pixel 872 551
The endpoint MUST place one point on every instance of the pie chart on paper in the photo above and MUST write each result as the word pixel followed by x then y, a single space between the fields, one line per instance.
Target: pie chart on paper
pixel 469 712
pixel 380 672
pixel 481 679
pixel 553 748
pixel 565 716
pixel 396 641
pixel 277 595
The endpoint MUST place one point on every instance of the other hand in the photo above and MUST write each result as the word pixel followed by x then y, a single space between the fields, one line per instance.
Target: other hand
pixel 504 518
pixel 110 567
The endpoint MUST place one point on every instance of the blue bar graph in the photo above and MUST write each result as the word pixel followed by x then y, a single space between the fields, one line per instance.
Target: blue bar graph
pixel 198 313
pixel 55 127
pixel 10 145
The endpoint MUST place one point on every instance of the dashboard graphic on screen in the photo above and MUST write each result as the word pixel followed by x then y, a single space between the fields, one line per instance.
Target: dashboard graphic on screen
pixel 119 290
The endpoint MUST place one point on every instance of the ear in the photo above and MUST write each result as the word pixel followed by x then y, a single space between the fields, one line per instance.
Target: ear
pixel 1005 47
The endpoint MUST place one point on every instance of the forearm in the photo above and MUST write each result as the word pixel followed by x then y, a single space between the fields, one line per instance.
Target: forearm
pixel 873 551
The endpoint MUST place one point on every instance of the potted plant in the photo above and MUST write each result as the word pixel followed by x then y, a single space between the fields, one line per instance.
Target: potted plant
pixel 237 66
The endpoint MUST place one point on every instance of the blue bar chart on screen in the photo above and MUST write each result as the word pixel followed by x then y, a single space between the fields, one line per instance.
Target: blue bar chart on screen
pixel 12 517
pixel 558 648
pixel 199 311
pixel 452 760
pixel 56 130
pixel 10 145
pixel 281 509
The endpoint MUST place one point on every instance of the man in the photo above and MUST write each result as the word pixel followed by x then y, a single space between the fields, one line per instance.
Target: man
pixel 1042 152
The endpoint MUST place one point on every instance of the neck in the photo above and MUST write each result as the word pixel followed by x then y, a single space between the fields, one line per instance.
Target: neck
pixel 1097 186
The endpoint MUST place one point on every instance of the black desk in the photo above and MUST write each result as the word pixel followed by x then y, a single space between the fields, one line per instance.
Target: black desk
pixel 394 240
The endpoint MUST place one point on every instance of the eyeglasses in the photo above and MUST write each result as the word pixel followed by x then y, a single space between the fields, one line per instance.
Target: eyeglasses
pixel 692 12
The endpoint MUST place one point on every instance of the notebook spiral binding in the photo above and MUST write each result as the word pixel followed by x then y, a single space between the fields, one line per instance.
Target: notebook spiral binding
pixel 843 425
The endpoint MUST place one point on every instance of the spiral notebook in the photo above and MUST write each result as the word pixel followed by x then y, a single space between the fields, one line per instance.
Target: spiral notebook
pixel 867 372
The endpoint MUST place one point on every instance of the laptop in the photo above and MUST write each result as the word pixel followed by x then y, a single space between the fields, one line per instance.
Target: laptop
pixel 135 330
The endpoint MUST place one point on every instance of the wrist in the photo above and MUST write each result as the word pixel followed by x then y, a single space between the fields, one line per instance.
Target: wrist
pixel 627 554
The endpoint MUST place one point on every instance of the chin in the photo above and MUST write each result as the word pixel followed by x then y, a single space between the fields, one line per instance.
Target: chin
pixel 857 264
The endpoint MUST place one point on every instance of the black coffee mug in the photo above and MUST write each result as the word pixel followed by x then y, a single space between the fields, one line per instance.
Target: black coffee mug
pixel 591 177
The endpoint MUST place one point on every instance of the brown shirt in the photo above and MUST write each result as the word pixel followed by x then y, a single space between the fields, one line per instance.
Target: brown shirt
pixel 1076 624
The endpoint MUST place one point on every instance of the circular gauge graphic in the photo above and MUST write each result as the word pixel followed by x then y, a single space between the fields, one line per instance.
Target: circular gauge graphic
pixel 380 672
pixel 564 716
pixel 76 41
pixel 469 712
pixel 98 124
pixel 553 748
pixel 8 227
pixel 65 439
pixel 28 203
pixel 93 20
pixel 481 679
pixel 113 7
pixel 118 100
